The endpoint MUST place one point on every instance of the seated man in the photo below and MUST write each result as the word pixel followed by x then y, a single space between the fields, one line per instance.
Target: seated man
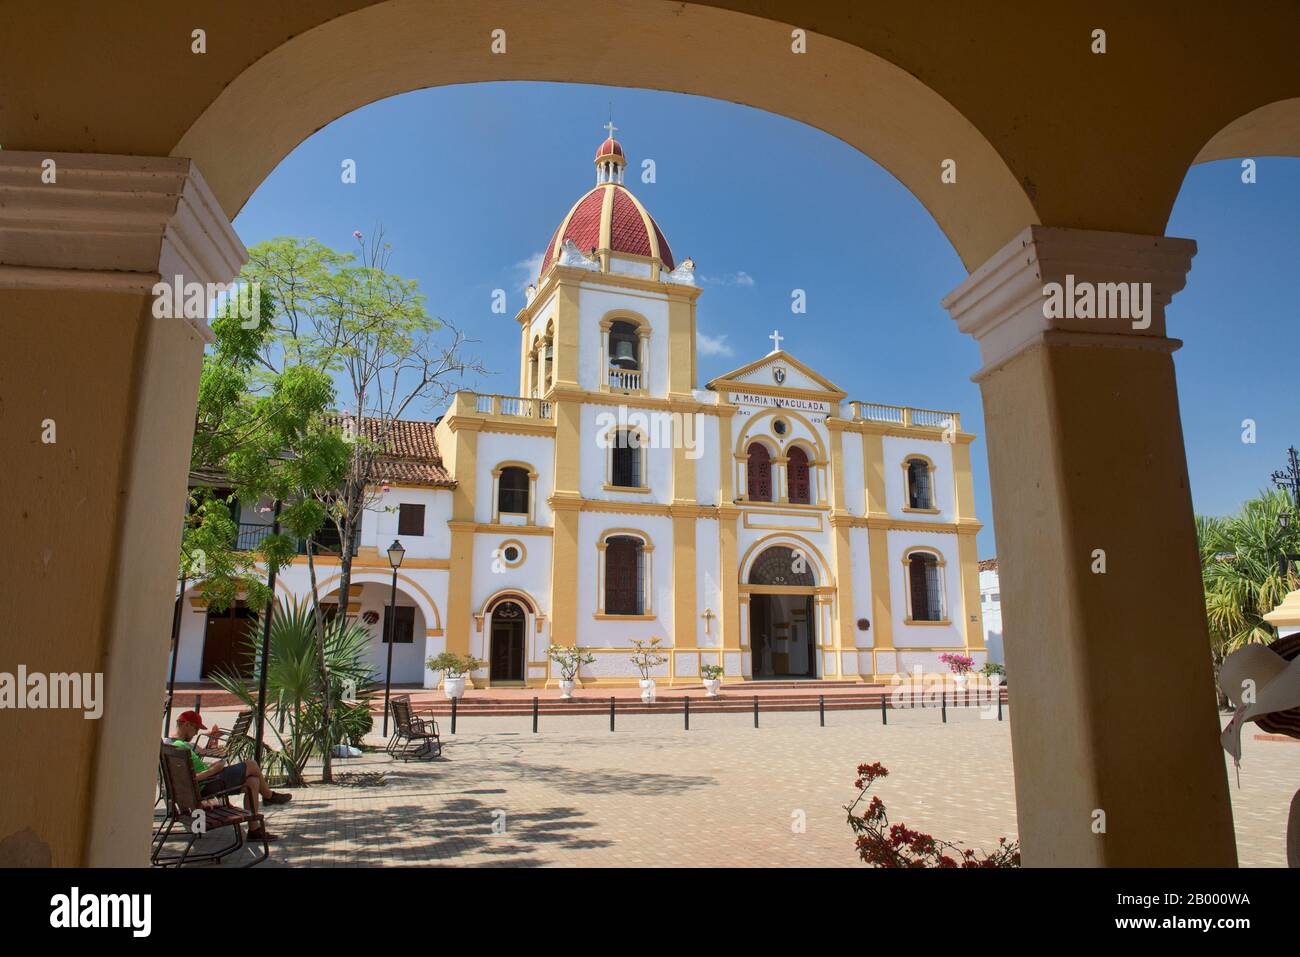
pixel 222 777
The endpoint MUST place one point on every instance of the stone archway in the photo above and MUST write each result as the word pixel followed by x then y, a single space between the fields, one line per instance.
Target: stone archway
pixel 958 94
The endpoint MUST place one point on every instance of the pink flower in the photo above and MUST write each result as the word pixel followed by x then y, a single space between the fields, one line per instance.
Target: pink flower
pixel 356 234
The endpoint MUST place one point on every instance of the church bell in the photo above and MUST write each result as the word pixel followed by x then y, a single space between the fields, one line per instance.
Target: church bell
pixel 624 354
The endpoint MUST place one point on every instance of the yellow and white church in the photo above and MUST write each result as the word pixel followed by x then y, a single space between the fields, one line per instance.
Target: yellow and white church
pixel 764 522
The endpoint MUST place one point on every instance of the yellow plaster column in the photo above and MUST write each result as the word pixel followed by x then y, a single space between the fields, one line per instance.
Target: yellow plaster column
pixel 684 517
pixel 967 551
pixel 566 499
pixel 458 441
pixel 882 614
pixel 98 395
pixel 1113 708
pixel 841 522
pixel 729 556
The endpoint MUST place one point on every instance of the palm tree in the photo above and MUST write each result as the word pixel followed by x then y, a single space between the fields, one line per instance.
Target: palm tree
pixel 1239 572
pixel 294 684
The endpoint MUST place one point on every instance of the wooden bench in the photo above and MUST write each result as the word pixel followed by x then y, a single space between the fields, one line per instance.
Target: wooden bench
pixel 412 737
pixel 186 805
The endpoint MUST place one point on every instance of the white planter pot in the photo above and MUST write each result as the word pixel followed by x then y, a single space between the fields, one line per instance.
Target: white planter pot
pixel 711 685
pixel 647 690
pixel 454 687
pixel 566 687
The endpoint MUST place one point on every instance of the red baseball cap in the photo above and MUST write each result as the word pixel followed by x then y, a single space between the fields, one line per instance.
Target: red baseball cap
pixel 192 717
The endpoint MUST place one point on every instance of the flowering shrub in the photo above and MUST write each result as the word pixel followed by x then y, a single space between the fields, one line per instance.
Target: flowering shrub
pixel 957 664
pixel 896 845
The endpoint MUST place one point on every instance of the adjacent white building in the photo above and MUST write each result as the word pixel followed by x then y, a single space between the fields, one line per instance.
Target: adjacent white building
pixel 761 521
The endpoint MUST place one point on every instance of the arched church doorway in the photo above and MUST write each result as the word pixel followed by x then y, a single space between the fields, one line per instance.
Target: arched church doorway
pixel 506 644
pixel 782 618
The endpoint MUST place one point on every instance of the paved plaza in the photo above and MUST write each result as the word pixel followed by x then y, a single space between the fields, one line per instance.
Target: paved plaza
pixel 723 793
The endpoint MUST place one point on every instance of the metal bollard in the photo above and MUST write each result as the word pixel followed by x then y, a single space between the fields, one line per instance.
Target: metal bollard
pixel 453 714
pixel 686 711
pixel 611 712
pixel 884 715
pixel 943 703
pixel 534 714
pixel 821 709
pixel 756 711
pixel 999 704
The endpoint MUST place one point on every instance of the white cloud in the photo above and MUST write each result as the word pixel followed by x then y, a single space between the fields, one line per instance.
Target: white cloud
pixel 712 345
pixel 530 267
pixel 741 278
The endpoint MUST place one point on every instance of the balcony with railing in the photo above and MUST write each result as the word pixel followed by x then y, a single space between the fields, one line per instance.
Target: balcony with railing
pixel 904 416
pixel 502 406
pixel 626 379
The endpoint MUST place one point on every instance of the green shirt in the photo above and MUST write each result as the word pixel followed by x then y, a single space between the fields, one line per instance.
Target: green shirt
pixel 196 762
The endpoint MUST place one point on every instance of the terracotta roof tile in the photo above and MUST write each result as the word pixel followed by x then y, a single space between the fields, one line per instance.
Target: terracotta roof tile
pixel 411 452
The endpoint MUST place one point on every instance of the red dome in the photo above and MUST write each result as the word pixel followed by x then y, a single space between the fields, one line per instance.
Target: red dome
pixel 610 147
pixel 631 230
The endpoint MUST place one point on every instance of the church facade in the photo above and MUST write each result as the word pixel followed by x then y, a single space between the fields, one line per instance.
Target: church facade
pixel 762 521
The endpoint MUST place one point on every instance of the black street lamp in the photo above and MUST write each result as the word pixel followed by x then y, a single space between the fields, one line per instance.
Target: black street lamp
pixel 1288 479
pixel 395 555
pixel 266 647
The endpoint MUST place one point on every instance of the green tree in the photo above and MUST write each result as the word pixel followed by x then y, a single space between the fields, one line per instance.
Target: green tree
pixel 270 435
pixel 349 316
pixel 1239 571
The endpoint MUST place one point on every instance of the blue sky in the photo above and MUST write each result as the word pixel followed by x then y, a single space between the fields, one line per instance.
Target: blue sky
pixel 469 182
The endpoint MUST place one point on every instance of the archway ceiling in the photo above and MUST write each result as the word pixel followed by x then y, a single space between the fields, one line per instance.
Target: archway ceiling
pixel 1042 129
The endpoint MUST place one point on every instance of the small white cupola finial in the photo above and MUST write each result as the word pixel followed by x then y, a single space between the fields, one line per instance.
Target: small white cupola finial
pixel 609 158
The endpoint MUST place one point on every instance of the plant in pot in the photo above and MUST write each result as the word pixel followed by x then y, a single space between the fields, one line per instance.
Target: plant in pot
pixel 712 675
pixel 569 660
pixel 646 657
pixel 959 665
pixel 454 668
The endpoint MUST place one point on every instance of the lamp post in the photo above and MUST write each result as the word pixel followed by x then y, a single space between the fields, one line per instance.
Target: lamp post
pixel 266 646
pixel 395 555
pixel 1284 560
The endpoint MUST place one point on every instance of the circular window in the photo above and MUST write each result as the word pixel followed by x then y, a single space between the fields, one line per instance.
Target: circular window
pixel 780 427
pixel 511 553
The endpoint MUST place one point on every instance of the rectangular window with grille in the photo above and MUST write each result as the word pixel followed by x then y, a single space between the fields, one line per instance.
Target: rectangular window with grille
pixel 623 575
pixel 405 629
pixel 626 467
pixel 410 519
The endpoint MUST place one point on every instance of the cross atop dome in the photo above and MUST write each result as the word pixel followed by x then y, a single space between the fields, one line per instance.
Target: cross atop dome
pixel 609 158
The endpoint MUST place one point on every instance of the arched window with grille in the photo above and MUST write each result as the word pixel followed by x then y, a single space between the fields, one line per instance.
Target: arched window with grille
pixel 624 575
pixel 760 473
pixel 925 586
pixel 625 460
pixel 798 487
pixel 512 491
pixel 920 484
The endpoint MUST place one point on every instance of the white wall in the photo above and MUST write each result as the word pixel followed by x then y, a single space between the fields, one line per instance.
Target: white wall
pixel 896 451
pixel 991 606
pixel 925 636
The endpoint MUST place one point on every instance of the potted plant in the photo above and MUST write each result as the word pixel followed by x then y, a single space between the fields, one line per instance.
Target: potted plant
pixel 959 665
pixel 454 668
pixel 569 661
pixel 647 656
pixel 712 678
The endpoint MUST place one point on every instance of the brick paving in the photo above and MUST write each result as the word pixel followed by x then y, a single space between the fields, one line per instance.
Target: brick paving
pixel 651 794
